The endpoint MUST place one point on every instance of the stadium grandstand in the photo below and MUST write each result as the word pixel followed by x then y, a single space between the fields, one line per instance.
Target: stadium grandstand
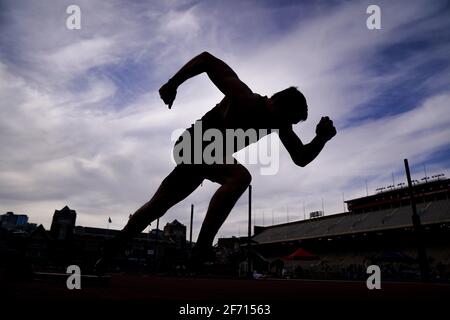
pixel 378 229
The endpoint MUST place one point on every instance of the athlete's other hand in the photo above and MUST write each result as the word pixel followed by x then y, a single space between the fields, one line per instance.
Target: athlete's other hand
pixel 168 92
pixel 325 128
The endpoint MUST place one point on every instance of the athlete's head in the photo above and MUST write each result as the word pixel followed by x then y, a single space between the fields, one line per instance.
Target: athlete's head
pixel 289 105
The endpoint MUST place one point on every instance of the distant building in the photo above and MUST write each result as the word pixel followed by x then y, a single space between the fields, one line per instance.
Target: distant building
pixel 176 232
pixel 315 214
pixel 45 250
pixel 231 244
pixel 10 220
pixel 226 248
pixel 157 234
pixel 39 246
pixel 63 223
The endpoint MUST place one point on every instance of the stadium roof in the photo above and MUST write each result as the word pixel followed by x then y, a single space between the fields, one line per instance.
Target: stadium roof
pixel 435 212
pixel 396 195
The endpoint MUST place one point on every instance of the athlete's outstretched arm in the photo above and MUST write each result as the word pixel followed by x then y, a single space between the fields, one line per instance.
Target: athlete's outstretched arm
pixel 302 154
pixel 225 79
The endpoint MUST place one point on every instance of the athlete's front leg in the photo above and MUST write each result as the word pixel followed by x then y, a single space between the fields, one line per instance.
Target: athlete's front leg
pixel 234 180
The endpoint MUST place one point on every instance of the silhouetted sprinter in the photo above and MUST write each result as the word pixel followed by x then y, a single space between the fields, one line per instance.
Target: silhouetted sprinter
pixel 239 109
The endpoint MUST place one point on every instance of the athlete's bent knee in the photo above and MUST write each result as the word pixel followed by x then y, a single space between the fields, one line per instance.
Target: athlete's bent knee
pixel 242 178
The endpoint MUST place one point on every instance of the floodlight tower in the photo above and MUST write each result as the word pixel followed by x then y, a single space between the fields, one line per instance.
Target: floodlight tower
pixel 423 262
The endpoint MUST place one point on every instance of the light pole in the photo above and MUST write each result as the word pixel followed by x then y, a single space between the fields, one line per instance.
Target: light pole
pixel 423 262
pixel 190 227
pixel 155 253
pixel 249 236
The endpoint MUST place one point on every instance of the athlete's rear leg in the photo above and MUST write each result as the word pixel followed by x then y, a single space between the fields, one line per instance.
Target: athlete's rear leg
pixel 180 183
pixel 175 187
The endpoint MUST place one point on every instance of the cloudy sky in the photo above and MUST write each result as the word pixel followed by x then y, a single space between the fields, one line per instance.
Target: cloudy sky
pixel 82 125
